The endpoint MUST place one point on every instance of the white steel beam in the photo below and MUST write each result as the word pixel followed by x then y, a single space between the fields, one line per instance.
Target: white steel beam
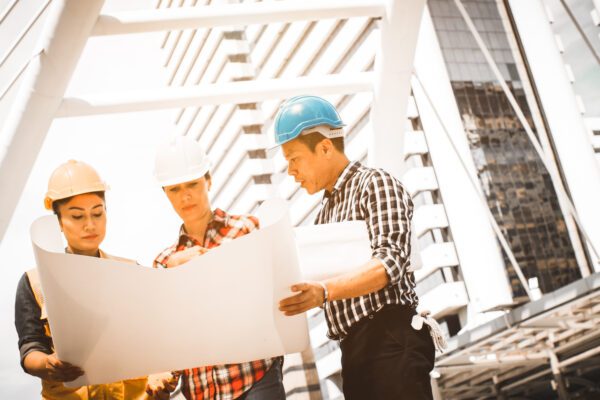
pixel 420 179
pixel 215 94
pixel 46 78
pixel 434 257
pixel 414 144
pixel 393 68
pixel 455 171
pixel 234 15
pixel 454 295
pixel 428 217
pixel 567 126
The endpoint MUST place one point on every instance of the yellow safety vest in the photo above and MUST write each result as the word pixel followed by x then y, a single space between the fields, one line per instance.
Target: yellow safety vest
pixel 131 389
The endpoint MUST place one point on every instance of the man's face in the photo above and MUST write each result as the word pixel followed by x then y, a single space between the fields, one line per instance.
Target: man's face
pixel 83 222
pixel 305 166
pixel 190 199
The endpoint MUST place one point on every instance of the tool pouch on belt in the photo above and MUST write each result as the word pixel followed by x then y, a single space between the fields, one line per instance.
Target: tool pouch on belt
pixel 435 331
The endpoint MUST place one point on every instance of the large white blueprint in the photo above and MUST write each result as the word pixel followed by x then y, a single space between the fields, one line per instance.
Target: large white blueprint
pixel 118 320
pixel 332 249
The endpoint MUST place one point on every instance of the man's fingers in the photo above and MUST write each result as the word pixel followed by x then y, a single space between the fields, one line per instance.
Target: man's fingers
pixel 300 307
pixel 300 287
pixel 296 309
pixel 292 313
pixel 295 299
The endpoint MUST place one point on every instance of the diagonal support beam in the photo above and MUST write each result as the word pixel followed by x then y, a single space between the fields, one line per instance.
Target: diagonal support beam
pixel 214 94
pixel 393 68
pixel 45 80
pixel 234 15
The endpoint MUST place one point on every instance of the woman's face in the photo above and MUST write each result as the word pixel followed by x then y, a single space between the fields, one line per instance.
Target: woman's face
pixel 83 222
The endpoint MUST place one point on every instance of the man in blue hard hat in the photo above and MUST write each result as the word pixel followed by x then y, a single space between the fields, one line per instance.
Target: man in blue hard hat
pixel 371 310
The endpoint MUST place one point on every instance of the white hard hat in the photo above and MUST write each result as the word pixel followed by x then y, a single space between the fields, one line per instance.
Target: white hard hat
pixel 180 159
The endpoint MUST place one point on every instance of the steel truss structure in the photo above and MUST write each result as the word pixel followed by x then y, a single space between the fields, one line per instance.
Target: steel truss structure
pixel 554 338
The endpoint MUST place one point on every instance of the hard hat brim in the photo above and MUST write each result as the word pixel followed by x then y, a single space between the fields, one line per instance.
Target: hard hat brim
pixel 183 179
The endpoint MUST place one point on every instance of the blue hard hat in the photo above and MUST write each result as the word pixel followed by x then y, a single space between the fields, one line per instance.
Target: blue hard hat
pixel 303 112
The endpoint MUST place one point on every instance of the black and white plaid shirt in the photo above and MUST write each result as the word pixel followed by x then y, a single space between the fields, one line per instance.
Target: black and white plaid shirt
pixel 379 199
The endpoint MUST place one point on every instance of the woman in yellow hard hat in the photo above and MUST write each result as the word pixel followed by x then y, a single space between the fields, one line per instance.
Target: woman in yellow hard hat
pixel 76 195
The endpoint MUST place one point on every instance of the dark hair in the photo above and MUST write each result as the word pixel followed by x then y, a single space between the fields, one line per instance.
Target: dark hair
pixel 57 203
pixel 313 139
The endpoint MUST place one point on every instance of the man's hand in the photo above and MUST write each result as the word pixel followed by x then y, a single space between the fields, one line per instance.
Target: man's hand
pixel 161 385
pixel 311 295
pixel 60 371
pixel 184 256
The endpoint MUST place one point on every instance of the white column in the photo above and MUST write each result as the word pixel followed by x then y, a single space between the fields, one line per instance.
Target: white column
pixel 479 256
pixel 46 78
pixel 566 124
pixel 393 67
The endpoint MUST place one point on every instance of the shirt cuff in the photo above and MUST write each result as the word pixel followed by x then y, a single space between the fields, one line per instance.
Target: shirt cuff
pixel 391 265
pixel 30 347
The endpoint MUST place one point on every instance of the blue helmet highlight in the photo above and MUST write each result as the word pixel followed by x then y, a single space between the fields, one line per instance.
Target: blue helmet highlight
pixel 303 112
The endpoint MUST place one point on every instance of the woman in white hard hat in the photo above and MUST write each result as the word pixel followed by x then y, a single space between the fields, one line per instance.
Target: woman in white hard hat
pixel 182 169
pixel 76 195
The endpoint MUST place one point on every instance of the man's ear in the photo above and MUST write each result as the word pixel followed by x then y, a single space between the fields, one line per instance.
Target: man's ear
pixel 326 147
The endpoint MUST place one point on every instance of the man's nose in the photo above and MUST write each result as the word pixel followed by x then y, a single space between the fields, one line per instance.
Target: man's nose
pixel 291 171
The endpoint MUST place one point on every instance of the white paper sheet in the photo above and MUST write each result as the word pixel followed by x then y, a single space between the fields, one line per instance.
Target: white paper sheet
pixel 332 249
pixel 119 321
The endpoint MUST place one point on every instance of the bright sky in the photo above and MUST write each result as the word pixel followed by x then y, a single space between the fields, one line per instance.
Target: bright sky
pixel 121 147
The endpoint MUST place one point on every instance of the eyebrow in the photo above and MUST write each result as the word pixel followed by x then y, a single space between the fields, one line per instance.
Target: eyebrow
pixel 81 209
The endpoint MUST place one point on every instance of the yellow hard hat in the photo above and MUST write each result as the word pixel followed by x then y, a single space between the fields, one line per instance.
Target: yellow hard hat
pixel 70 179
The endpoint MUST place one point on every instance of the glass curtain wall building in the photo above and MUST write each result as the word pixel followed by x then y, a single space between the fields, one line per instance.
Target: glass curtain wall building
pixel 515 182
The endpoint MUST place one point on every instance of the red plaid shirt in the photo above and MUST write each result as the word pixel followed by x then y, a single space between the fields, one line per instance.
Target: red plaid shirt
pixel 222 382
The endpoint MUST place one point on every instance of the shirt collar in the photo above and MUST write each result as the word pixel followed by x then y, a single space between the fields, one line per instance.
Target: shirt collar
pixel 101 254
pixel 219 218
pixel 344 177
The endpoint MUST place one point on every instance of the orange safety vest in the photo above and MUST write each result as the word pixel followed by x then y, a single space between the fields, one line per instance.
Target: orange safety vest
pixel 131 389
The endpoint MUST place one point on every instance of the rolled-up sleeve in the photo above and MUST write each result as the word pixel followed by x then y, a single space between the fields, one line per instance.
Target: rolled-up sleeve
pixel 388 211
pixel 30 328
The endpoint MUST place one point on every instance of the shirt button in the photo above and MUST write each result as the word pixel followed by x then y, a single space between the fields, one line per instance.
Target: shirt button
pixel 371 316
